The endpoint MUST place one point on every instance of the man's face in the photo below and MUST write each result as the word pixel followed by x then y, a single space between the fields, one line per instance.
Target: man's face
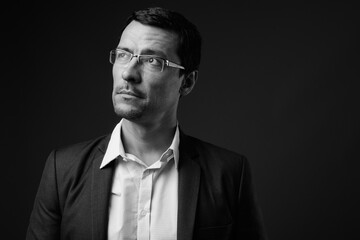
pixel 142 95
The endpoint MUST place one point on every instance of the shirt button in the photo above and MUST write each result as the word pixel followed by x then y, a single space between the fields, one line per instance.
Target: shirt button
pixel 143 213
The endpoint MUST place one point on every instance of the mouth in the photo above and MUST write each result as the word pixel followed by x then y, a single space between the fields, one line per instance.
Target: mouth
pixel 129 93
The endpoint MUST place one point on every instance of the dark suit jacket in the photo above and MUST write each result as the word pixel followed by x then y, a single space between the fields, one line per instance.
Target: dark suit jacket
pixel 216 198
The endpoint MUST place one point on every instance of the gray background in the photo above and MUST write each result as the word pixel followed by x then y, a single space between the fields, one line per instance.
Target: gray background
pixel 278 82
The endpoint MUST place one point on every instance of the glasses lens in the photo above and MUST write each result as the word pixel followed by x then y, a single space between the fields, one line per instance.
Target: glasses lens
pixel 149 63
pixel 119 56
pixel 112 56
pixel 122 56
pixel 152 63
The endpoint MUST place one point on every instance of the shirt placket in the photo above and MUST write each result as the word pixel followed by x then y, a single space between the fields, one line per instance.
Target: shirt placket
pixel 143 230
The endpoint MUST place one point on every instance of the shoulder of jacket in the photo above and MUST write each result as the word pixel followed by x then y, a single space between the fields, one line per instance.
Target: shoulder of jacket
pixel 79 152
pixel 205 147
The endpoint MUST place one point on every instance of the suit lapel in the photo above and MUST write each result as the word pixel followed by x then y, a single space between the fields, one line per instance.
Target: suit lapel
pixel 100 192
pixel 189 181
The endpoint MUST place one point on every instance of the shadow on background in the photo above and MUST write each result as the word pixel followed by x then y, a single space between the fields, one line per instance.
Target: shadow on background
pixel 278 83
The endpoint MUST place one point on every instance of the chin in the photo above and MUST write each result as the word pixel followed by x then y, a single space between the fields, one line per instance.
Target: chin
pixel 130 114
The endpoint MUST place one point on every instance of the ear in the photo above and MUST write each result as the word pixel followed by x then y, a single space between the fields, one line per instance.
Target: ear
pixel 188 83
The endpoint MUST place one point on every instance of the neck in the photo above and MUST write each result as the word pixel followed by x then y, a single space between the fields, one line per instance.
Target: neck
pixel 147 141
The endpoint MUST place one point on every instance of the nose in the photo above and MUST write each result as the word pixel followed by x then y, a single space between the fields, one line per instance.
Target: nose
pixel 131 71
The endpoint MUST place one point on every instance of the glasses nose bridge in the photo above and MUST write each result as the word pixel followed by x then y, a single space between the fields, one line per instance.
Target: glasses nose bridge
pixel 137 56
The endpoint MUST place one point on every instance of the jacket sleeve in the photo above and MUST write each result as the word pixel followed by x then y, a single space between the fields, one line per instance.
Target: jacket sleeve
pixel 249 222
pixel 45 218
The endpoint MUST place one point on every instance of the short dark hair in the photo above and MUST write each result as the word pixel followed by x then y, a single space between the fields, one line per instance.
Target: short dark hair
pixel 189 44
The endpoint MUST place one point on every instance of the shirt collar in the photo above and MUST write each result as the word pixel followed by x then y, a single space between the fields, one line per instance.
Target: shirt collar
pixel 115 147
pixel 175 146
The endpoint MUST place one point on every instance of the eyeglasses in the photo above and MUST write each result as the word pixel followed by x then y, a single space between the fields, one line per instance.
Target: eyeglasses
pixel 149 62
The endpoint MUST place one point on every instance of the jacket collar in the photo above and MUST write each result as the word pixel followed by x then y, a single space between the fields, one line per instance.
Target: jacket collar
pixel 188 190
pixel 101 181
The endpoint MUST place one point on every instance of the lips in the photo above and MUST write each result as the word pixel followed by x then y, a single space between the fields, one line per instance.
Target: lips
pixel 130 93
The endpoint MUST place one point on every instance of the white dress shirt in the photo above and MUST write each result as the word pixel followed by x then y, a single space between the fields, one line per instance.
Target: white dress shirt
pixel 144 199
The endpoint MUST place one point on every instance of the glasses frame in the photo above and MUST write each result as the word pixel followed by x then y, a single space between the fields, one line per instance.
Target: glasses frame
pixel 138 56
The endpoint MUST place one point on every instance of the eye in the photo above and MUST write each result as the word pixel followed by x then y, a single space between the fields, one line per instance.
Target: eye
pixel 121 55
pixel 154 61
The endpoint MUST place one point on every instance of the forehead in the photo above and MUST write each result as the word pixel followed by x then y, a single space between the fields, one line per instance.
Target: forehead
pixel 141 38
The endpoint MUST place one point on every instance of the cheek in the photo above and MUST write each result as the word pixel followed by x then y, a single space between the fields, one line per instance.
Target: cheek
pixel 116 72
pixel 168 92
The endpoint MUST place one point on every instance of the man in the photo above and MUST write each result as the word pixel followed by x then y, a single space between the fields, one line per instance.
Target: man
pixel 148 180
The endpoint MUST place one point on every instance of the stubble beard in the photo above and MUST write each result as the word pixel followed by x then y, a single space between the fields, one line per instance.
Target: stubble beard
pixel 129 112
pixel 129 115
